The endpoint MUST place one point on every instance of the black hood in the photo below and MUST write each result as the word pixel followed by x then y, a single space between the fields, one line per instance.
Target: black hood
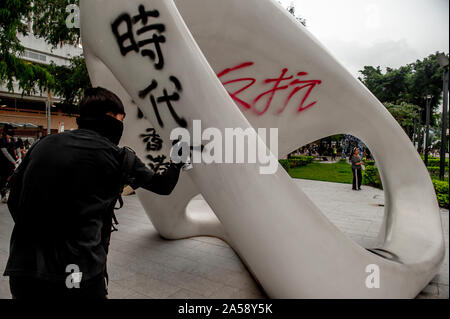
pixel 107 126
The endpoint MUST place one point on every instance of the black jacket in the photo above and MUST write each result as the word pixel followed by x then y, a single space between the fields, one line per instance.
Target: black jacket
pixel 6 167
pixel 71 182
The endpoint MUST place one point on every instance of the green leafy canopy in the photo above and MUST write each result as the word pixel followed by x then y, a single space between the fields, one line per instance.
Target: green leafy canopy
pixel 408 84
pixel 48 21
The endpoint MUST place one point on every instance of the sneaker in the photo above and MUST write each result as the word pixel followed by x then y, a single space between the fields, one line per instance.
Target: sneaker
pixel 4 199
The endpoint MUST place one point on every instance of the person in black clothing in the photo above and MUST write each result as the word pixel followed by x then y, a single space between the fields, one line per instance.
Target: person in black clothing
pixel 20 148
pixel 63 213
pixel 7 159
pixel 356 169
pixel 26 144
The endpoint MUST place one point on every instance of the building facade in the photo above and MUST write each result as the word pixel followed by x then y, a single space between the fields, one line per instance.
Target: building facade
pixel 28 114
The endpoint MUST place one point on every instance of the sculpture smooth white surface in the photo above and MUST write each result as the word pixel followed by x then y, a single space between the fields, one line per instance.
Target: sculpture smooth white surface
pixel 284 239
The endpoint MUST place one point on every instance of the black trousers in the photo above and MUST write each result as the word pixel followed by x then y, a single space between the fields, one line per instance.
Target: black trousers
pixel 5 172
pixel 357 178
pixel 30 288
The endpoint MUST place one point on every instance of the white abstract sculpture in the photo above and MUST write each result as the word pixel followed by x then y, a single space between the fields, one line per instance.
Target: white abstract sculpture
pixel 139 48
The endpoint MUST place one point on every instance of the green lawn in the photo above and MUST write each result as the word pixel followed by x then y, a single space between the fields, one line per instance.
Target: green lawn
pixel 340 172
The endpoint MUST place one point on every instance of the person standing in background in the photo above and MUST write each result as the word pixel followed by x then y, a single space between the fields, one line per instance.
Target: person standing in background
pixel 355 159
pixel 7 160
pixel 20 148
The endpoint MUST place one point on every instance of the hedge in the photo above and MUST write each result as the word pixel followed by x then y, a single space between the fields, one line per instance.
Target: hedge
pixel 371 177
pixel 441 188
pixel 435 170
pixel 435 161
pixel 285 164
pixel 307 158
pixel 298 161
pixel 369 163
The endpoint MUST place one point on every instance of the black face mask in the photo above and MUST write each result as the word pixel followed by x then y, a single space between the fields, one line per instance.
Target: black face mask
pixel 107 126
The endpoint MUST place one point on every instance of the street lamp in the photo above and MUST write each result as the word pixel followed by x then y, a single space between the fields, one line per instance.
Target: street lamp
pixel 443 61
pixel 416 131
pixel 427 129
pixel 48 114
pixel 48 111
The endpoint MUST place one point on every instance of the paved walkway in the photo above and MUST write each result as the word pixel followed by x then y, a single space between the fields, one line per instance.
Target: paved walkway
pixel 143 265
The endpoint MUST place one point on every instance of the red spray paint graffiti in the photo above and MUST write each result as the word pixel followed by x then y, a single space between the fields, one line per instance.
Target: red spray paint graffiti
pixel 234 94
pixel 281 83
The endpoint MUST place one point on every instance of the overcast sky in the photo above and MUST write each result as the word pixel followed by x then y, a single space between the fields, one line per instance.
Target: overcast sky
pixel 377 32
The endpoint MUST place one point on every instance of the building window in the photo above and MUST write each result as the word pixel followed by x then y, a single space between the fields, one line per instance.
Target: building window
pixel 34 56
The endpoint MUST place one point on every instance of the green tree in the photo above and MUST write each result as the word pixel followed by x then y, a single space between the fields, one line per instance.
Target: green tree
pixel 426 80
pixel 71 81
pixel 405 114
pixel 408 84
pixel 48 20
pixel 13 20
pixel 393 86
pixel 291 10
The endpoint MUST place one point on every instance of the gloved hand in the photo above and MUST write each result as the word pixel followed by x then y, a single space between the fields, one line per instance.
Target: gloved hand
pixel 188 165
pixel 181 155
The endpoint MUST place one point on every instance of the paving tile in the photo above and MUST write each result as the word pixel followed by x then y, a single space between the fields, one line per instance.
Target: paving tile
pixel 442 276
pixel 5 292
pixel 238 280
pixel 227 292
pixel 222 251
pixel 188 243
pixel 148 286
pixel 153 255
pixel 186 294
pixel 116 291
pixel 203 270
pixel 120 259
pixel 443 291
pixel 184 280
pixel 189 253
pixel 222 262
pixel 3 261
pixel 211 240
pixel 234 293
pixel 200 285
pixel 158 272
pixel 431 290
pixel 117 273
pixel 4 246
pixel 136 295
